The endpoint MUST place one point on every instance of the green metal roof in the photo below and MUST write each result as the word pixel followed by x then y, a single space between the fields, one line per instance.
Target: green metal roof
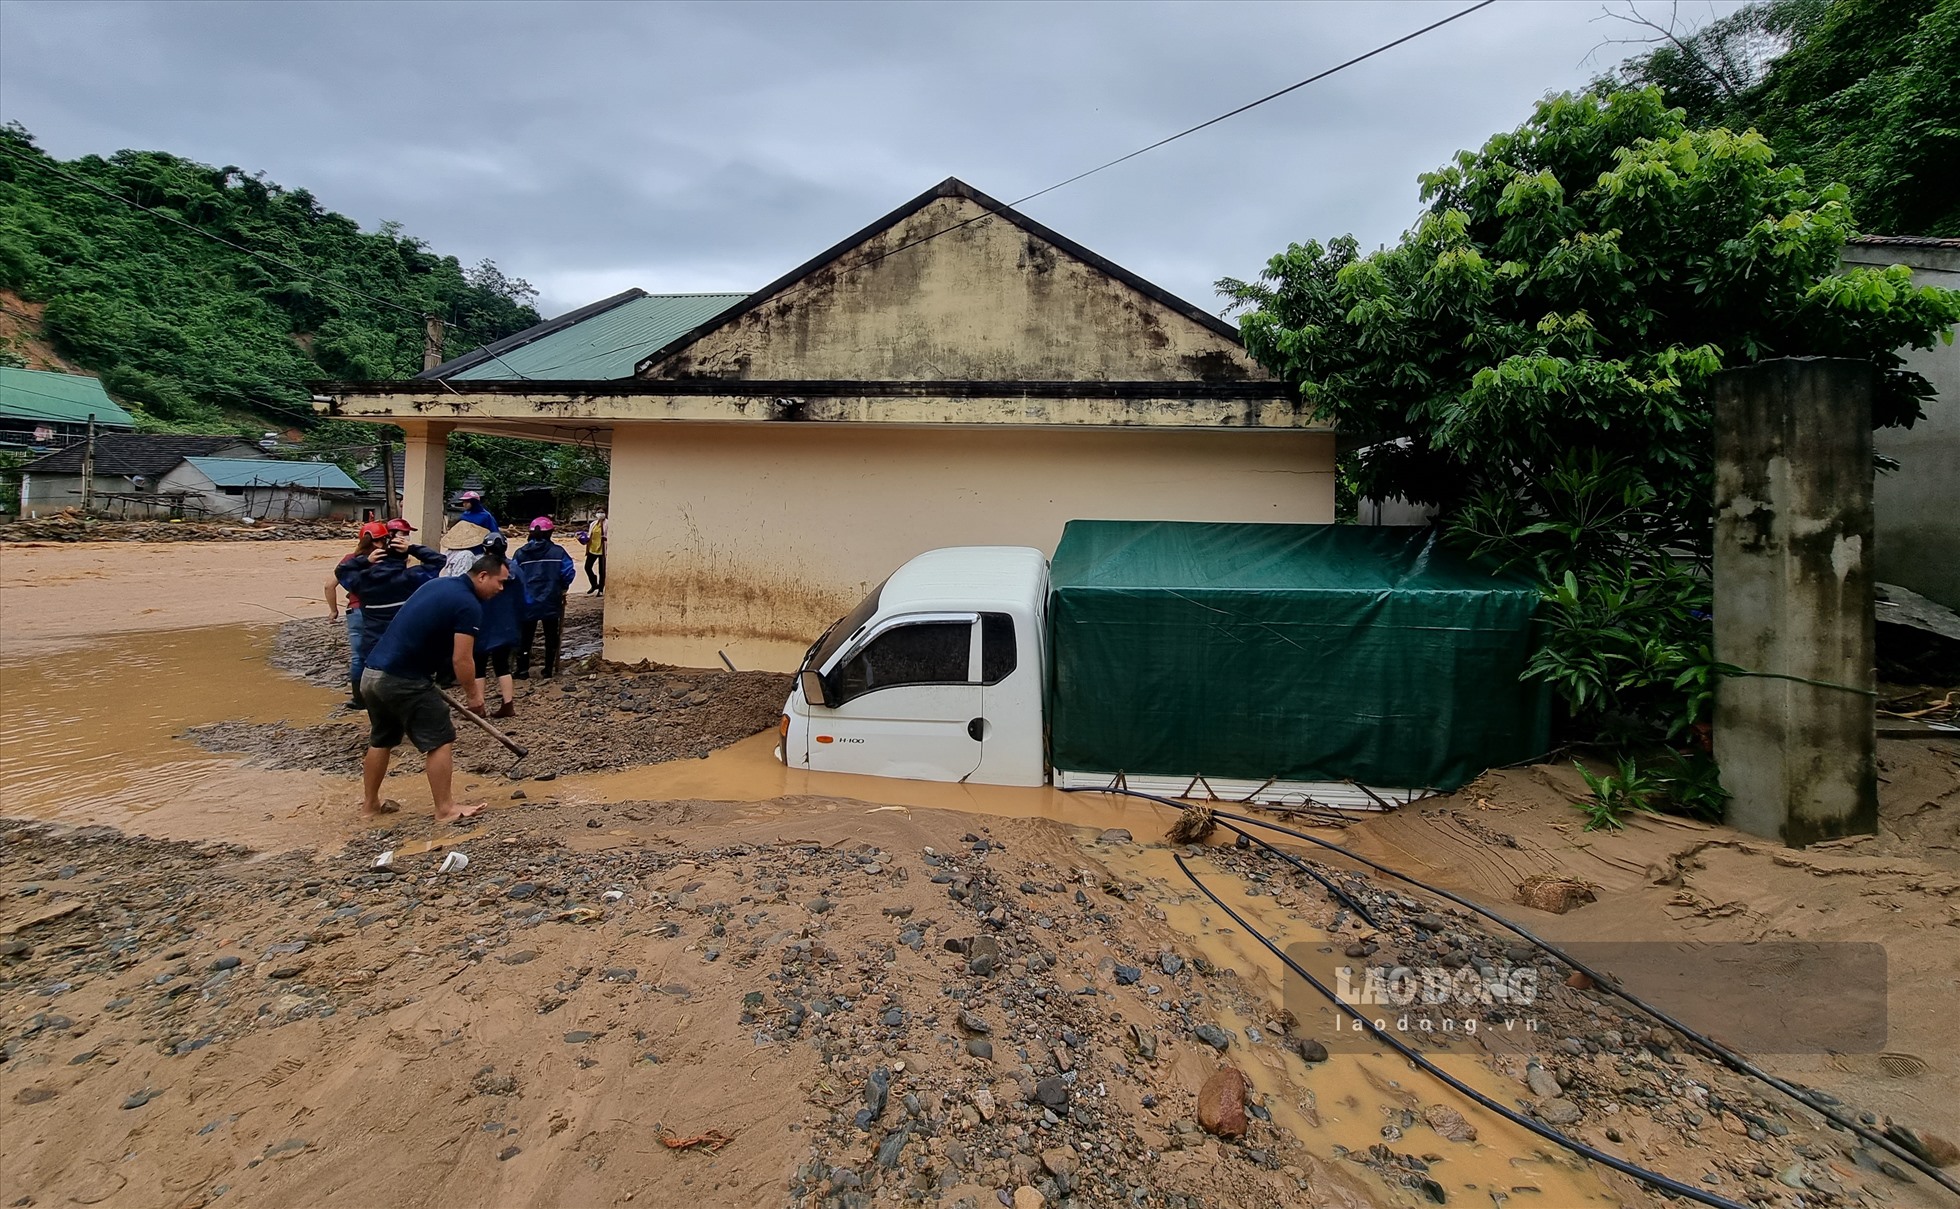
pixel 267 472
pixel 35 394
pixel 602 343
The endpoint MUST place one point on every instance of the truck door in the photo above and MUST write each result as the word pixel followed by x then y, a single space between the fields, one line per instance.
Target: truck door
pixel 909 702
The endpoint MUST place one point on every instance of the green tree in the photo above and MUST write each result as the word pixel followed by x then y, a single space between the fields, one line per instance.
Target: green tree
pixel 194 334
pixel 1534 358
pixel 1865 92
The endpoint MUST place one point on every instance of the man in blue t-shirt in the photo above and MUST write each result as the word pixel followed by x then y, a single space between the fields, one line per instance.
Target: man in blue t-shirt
pixel 435 629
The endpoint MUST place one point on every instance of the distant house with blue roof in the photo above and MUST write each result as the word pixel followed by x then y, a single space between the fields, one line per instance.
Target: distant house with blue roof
pixel 262 488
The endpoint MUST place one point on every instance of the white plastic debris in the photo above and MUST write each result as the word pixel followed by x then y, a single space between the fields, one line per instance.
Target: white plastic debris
pixel 453 863
pixel 386 860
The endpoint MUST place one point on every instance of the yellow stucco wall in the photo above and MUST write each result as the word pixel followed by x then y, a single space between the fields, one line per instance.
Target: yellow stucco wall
pixel 752 538
pixel 987 301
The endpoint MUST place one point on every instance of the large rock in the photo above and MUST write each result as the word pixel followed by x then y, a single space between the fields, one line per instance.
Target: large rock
pixel 1221 1104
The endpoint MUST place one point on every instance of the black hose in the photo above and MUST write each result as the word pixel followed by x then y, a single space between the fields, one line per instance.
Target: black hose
pixel 1309 870
pixel 1708 1045
pixel 1653 1179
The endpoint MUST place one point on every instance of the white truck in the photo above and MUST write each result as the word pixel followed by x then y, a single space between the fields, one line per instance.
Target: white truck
pixel 1353 667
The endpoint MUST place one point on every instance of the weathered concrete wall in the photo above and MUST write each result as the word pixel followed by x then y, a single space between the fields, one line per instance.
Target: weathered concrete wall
pixel 1793 598
pixel 1918 523
pixel 986 302
pixel 753 538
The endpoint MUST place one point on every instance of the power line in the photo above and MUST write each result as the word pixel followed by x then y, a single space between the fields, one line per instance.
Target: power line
pixel 1272 96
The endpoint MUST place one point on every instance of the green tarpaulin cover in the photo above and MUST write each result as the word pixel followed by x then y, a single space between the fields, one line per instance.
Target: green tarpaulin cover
pixel 1298 652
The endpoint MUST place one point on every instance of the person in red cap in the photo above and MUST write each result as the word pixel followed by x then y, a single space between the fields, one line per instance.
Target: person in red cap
pixel 546 571
pixel 371 535
pixel 386 577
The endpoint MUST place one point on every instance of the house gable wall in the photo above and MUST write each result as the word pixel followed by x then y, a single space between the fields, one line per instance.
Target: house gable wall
pixel 985 302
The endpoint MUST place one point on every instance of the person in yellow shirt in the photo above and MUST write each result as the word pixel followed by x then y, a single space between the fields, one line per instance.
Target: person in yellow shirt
pixel 594 538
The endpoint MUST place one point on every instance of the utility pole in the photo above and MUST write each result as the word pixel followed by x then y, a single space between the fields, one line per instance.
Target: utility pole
pixel 88 466
pixel 431 341
pixel 389 507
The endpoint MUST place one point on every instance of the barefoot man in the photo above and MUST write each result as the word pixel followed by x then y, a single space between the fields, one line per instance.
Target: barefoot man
pixel 435 629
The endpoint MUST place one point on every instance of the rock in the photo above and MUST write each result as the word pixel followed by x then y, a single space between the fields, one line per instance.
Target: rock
pixel 522 890
pixel 1579 981
pixel 1061 1161
pixel 1930 1147
pixel 1429 921
pixel 888 1150
pixel 1558 1111
pixel 1358 949
pixel 1170 964
pixel 508 1153
pixel 35 1095
pixel 972 1023
pixel 876 1090
pixel 1221 1104
pixel 1127 975
pixel 819 906
pixel 893 1018
pixel 579 1037
pixel 1541 1082
pixel 1308 1049
pixel 982 956
pixel 1116 835
pixel 140 1098
pixel 1051 1092
pixel 980 1047
pixel 1544 892
pixel 284 972
pixel 1026 1197
pixel 1212 1035
pixel 1450 1123
pixel 983 1103
pixel 226 963
pixel 15 948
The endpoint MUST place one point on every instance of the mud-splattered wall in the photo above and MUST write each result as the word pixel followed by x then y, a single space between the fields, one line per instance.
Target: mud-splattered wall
pixel 753 538
pixel 988 301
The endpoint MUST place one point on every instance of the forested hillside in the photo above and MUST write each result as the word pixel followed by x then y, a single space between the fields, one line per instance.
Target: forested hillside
pixel 1865 92
pixel 192 334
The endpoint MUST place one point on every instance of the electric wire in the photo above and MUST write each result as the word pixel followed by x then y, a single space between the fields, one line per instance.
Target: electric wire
pixel 1715 1049
pixel 1653 1179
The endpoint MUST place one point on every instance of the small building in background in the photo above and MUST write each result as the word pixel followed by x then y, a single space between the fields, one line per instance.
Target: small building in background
pixel 263 489
pixel 128 468
pixel 40 409
pixel 1917 534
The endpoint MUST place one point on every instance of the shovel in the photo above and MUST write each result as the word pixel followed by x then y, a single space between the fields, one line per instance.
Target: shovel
pixel 516 748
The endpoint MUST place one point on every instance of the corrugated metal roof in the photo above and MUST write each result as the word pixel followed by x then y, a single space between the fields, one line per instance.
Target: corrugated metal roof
pixel 601 346
pixel 37 394
pixel 1906 241
pixel 135 453
pixel 266 472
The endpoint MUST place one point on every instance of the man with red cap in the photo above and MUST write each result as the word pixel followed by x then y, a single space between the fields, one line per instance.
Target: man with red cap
pixel 546 571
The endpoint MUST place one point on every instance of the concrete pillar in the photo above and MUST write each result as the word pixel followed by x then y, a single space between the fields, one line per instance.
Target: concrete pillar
pixel 1793 598
pixel 422 470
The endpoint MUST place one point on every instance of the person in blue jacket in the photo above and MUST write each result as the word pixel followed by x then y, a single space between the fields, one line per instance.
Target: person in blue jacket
pixel 546 571
pixel 476 514
pixel 387 577
pixel 496 642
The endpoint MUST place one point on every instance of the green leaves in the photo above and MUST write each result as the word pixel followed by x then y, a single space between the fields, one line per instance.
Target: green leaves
pixel 1534 356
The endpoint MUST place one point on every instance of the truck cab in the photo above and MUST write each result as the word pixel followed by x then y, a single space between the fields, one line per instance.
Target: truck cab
pixel 939 674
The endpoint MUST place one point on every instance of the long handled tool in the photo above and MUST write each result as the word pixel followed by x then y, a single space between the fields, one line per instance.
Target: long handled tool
pixel 517 749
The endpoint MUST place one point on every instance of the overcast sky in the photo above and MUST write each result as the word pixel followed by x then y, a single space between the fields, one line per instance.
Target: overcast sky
pixel 683 147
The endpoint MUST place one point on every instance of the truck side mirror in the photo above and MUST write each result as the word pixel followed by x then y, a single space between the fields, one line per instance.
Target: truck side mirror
pixel 814 689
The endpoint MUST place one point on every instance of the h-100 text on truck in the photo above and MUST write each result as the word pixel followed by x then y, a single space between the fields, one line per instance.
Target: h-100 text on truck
pixel 1282 662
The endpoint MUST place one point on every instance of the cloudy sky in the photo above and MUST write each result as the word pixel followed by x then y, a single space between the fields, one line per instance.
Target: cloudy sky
pixel 681 147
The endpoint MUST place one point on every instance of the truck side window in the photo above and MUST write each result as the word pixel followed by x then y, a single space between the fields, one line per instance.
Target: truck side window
pixel 997 655
pixel 929 652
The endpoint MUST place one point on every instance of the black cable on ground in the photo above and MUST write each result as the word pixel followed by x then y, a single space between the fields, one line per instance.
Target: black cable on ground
pixel 1652 1179
pixel 1708 1045
pixel 1310 871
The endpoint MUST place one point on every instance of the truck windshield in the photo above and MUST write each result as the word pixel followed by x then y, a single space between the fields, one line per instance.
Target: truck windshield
pixel 842 630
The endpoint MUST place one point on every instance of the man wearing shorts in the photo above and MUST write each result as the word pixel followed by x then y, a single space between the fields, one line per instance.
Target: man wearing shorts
pixel 436 629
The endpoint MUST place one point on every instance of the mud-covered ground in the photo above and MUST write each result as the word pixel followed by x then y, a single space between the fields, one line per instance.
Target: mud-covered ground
pixel 70 527
pixel 864 1015
pixel 593 716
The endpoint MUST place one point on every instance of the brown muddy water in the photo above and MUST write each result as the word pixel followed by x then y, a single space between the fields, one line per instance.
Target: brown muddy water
pixel 88 735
